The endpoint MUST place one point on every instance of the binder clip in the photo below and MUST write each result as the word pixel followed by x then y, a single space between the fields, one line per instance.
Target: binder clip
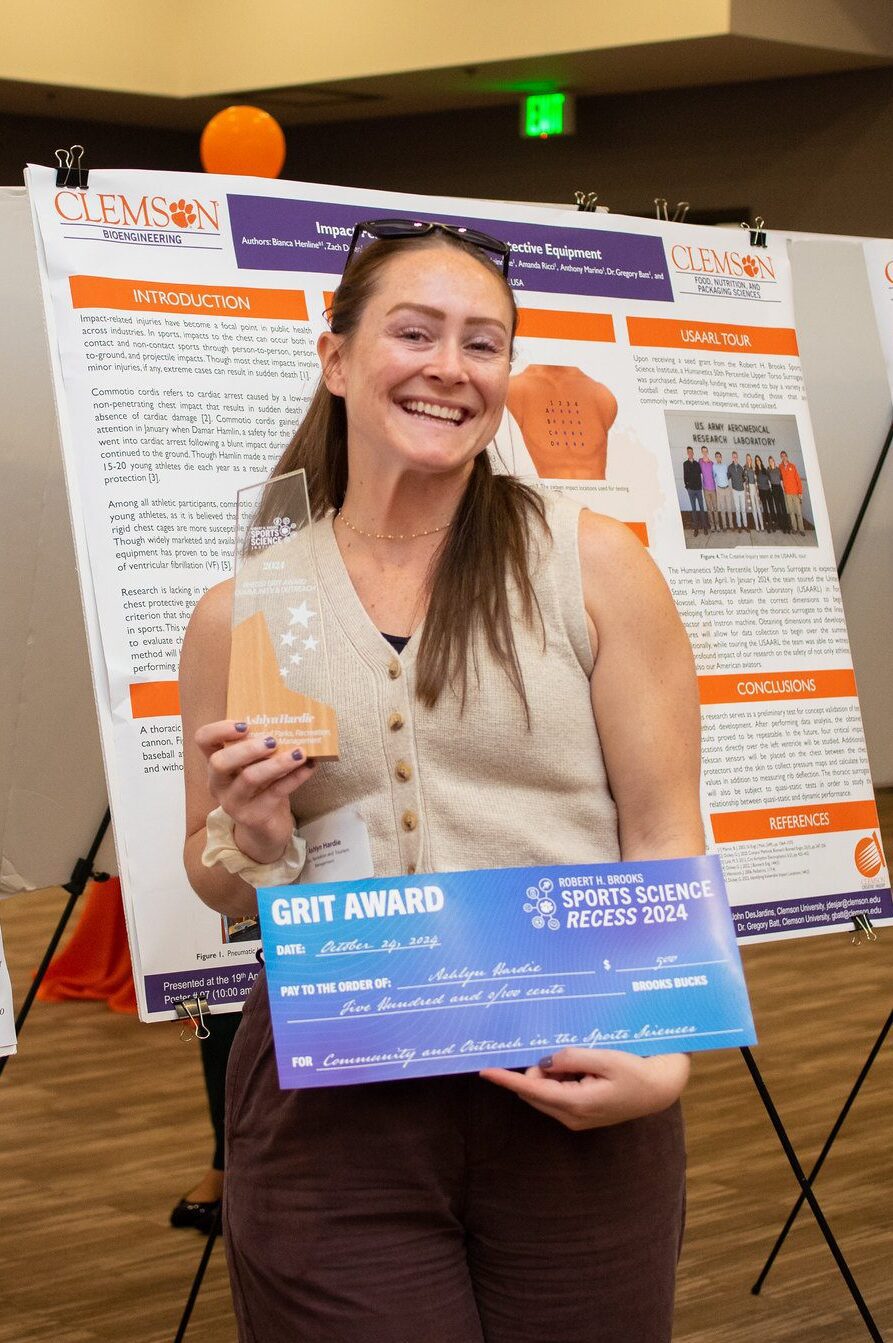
pixel 757 231
pixel 193 1009
pixel 662 210
pixel 71 171
pixel 862 924
pixel 586 201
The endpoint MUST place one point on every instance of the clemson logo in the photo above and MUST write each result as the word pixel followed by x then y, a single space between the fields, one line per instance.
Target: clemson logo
pixel 867 856
pixel 750 266
pixel 182 213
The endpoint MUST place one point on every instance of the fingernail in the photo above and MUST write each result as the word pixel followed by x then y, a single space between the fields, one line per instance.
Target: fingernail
pixel 241 727
pixel 269 742
pixel 545 1063
pixel 297 755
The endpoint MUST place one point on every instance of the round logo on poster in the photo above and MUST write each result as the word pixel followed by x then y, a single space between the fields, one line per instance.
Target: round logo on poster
pixel 867 856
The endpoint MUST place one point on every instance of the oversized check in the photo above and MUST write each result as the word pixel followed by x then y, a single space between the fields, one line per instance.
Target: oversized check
pixel 450 972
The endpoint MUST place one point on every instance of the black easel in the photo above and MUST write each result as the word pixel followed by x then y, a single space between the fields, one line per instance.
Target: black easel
pixel 197 1280
pixel 829 1141
pixel 809 1196
pixel 865 502
pixel 885 1029
pixel 81 873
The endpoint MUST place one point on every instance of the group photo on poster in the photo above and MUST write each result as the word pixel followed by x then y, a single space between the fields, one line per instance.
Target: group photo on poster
pixel 741 477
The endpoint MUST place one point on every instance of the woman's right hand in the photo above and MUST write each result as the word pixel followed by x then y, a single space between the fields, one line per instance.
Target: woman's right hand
pixel 252 781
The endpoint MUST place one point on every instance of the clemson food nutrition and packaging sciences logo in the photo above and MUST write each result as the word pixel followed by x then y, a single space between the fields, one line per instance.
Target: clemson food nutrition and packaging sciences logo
pixel 721 271
pixel 541 905
pixel 118 217
pixel 868 857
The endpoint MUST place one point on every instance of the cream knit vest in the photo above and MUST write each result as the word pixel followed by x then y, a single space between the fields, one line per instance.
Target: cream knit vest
pixel 443 791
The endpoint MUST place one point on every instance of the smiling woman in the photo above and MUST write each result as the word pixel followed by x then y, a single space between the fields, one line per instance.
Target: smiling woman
pixel 514 688
pixel 417 391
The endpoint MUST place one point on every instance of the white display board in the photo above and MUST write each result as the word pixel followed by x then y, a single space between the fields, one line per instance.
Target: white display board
pixel 183 312
pixel 52 790
pixel 849 398
pixel 7 1015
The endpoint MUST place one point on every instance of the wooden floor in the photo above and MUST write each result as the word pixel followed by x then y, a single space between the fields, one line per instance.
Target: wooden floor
pixel 103 1125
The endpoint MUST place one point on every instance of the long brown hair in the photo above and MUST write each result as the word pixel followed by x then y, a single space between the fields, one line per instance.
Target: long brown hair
pixel 489 539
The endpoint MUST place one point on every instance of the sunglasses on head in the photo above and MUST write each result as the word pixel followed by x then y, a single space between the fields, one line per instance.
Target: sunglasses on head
pixel 388 230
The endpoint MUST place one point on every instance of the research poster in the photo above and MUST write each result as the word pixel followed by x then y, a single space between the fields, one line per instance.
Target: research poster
pixel 183 312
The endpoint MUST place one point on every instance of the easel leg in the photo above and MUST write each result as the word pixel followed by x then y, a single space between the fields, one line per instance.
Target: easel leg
pixel 76 885
pixel 197 1281
pixel 863 509
pixel 829 1141
pixel 810 1197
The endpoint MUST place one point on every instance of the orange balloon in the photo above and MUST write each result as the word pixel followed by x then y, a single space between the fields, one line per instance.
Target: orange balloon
pixel 243 140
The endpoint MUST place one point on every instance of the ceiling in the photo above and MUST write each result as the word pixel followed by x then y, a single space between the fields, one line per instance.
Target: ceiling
pixel 131 76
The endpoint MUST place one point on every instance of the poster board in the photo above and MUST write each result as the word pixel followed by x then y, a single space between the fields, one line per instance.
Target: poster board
pixel 849 393
pixel 7 1015
pixel 183 312
pixel 879 265
pixel 52 786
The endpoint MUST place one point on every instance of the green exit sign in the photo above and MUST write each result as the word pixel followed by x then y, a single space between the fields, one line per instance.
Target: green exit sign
pixel 546 114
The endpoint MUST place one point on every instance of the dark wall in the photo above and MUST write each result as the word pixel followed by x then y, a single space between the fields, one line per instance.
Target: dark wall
pixel 36 139
pixel 810 153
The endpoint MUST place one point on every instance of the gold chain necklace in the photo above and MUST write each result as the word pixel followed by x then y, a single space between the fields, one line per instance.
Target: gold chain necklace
pixel 388 536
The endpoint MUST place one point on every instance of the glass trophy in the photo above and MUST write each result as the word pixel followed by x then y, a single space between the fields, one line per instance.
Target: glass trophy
pixel 279 680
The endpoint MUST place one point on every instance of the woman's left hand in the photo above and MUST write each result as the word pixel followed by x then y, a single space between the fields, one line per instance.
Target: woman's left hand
pixel 593 1088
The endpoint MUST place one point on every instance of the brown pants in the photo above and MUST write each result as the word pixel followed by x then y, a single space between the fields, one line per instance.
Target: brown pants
pixel 441 1210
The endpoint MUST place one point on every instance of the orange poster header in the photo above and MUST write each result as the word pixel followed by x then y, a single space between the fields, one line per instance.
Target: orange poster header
pixel 191 300
pixel 155 699
pixel 553 325
pixel 761 687
pixel 721 337
pixel 730 827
